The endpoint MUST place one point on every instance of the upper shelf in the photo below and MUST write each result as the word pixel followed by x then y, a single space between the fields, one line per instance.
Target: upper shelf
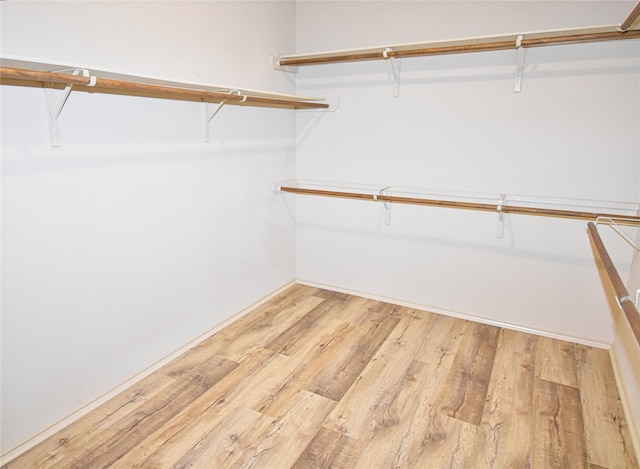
pixel 480 44
pixel 25 70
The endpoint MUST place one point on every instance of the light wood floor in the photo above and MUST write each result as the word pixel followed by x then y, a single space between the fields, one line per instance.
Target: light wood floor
pixel 319 379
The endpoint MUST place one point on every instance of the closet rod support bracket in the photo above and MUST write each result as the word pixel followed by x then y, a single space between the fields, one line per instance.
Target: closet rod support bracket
pixel 209 117
pixel 387 205
pixel 395 70
pixel 501 214
pixel 615 223
pixel 55 107
pixel 517 85
pixel 275 63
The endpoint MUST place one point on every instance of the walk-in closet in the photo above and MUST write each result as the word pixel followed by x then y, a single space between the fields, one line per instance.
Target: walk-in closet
pixel 320 234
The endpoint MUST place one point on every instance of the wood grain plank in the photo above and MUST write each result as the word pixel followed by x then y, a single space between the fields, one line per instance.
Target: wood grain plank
pixel 255 329
pixel 276 444
pixel 441 342
pixel 507 419
pixel 364 409
pixel 332 339
pixel 264 318
pixel 332 366
pixel 417 433
pixel 296 336
pixel 443 443
pixel 558 438
pixel 389 443
pixel 329 449
pixel 291 433
pixel 223 444
pixel 257 334
pixel 274 377
pixel 338 369
pixel 133 428
pixel 606 429
pixel 172 441
pixel 468 448
pixel 555 362
pixel 74 440
pixel 468 380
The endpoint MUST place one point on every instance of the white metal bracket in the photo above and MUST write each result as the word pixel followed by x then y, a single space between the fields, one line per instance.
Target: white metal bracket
pixel 275 62
pixel 387 205
pixel 395 71
pixel 54 107
pixel 209 117
pixel 612 223
pixel 517 85
pixel 500 227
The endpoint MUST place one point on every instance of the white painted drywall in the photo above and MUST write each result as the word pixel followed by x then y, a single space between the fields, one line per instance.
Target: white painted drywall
pixel 457 125
pixel 135 236
pixel 222 42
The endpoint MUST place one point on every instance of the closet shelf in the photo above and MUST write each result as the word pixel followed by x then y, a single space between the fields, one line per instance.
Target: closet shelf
pixel 596 211
pixel 35 73
pixel 22 71
pixel 480 44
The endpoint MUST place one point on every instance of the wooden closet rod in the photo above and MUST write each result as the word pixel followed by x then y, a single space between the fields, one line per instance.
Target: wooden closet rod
pixel 105 85
pixel 631 18
pixel 576 36
pixel 520 210
pixel 622 296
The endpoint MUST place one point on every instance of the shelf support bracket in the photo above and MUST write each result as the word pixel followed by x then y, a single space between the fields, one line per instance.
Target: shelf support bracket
pixel 209 117
pixel 55 108
pixel 501 214
pixel 395 71
pixel 517 85
pixel 387 206
pixel 611 222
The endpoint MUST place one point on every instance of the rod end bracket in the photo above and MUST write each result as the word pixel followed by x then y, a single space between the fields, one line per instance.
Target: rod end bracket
pixel 275 63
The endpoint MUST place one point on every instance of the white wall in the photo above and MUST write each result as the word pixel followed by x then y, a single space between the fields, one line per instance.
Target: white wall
pixel 457 125
pixel 136 236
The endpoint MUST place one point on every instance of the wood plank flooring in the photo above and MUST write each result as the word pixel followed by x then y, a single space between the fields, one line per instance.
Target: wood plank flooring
pixel 318 379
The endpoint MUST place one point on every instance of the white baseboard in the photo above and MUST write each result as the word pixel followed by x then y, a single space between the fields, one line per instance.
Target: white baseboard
pixel 42 435
pixel 455 314
pixel 625 398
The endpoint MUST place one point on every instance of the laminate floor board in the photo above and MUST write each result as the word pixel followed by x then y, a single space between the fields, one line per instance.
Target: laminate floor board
pixel 319 379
